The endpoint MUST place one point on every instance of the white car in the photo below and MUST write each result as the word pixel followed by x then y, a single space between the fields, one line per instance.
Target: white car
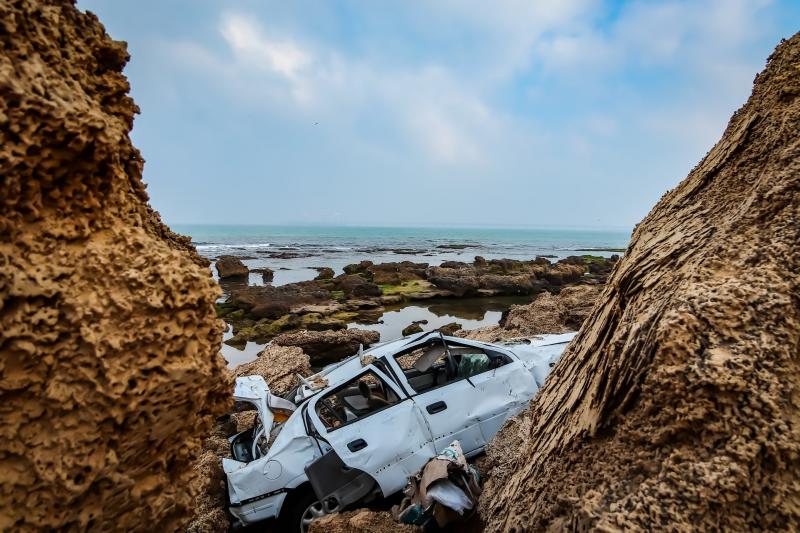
pixel 358 429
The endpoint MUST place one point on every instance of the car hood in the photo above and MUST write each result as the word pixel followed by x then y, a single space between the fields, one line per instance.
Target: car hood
pixel 254 390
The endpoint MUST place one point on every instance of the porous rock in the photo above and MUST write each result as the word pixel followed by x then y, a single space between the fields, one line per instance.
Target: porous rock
pixel 110 367
pixel 675 407
pixel 278 365
pixel 360 521
pixel 328 346
pixel 267 274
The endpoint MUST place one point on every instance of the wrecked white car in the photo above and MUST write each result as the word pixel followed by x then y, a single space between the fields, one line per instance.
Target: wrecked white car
pixel 358 429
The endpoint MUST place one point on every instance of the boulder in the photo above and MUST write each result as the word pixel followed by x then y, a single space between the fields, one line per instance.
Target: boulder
pixel 289 295
pixel 267 274
pixel 504 266
pixel 396 273
pixel 414 327
pixel 512 284
pixel 572 260
pixel 325 347
pixel 360 268
pixel 269 309
pixel 110 369
pixel 356 286
pixel 563 273
pixel 675 407
pixel 325 273
pixel 459 265
pixel 459 281
pixel 229 266
pixel 450 329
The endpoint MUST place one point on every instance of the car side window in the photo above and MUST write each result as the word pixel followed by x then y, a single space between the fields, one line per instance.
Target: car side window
pixel 354 400
pixel 434 364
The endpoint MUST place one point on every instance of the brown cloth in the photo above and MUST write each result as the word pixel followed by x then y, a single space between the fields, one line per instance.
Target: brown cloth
pixel 418 508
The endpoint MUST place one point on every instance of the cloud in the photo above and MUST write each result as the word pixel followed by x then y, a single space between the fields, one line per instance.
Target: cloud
pixel 254 49
pixel 428 105
pixel 488 91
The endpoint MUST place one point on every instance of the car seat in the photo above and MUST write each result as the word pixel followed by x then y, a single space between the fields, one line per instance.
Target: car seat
pixel 373 401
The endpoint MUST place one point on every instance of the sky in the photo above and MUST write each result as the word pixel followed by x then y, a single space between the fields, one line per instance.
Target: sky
pixel 570 113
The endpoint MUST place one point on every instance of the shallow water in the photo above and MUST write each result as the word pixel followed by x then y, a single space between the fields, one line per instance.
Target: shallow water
pixel 469 312
pixel 336 247
pixel 237 356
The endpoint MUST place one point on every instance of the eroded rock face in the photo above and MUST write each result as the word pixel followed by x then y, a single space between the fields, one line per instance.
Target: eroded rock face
pixel 110 367
pixel 676 406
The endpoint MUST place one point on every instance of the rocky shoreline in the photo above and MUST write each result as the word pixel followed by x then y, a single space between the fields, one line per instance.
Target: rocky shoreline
pixel 364 291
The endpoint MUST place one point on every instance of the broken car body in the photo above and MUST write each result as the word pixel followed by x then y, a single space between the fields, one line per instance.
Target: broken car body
pixel 361 427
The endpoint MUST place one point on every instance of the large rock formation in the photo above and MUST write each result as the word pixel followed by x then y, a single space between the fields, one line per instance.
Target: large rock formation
pixel 110 367
pixel 678 404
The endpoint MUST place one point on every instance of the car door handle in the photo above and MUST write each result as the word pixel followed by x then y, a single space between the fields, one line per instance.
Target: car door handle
pixel 436 407
pixel 358 444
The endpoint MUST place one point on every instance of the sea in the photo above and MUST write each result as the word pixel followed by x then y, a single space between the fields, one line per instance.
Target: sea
pixel 295 252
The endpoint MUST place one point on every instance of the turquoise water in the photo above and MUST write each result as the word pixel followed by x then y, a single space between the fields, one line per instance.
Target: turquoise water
pixel 254 235
pixel 294 251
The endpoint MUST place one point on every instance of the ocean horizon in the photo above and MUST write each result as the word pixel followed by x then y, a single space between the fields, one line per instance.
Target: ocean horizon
pixel 217 239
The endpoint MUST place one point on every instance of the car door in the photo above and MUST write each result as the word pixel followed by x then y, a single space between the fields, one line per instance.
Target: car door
pixel 500 393
pixel 390 442
pixel 452 413
pixel 447 403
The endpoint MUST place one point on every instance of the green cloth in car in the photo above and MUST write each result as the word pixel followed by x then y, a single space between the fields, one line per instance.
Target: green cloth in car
pixel 473 363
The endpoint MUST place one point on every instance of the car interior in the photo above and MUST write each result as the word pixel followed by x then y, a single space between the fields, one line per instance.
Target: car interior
pixel 438 363
pixel 355 399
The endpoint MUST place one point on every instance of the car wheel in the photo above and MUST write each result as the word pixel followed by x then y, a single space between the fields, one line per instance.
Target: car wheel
pixel 313 511
pixel 300 510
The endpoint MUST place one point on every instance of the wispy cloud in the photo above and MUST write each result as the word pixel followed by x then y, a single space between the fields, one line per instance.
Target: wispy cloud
pixel 253 49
